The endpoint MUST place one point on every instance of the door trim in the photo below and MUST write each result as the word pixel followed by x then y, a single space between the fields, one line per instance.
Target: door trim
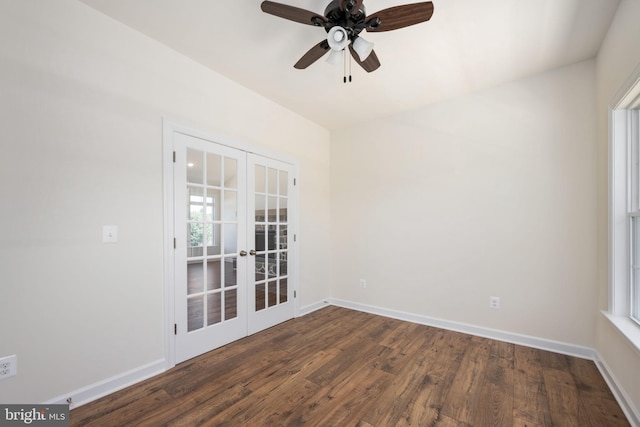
pixel 169 128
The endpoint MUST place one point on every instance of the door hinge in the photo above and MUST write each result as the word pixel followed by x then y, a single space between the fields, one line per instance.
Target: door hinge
pixel 174 243
pixel 175 329
pixel 174 157
pixel 295 294
pixel 295 237
pixel 294 181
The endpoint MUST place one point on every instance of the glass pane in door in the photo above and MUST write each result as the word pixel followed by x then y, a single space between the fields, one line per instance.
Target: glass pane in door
pixel 212 238
pixel 271 227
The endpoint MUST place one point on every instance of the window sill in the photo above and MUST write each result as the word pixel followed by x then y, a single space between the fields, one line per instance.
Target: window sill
pixel 627 327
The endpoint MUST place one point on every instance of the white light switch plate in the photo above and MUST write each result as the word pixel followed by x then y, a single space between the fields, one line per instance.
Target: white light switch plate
pixel 109 234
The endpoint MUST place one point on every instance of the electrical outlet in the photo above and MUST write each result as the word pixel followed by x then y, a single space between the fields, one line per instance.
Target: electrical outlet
pixel 109 234
pixel 494 302
pixel 363 283
pixel 8 366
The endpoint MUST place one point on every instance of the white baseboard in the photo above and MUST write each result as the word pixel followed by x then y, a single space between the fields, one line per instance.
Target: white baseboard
pixel 313 307
pixel 529 341
pixel 632 413
pixel 110 385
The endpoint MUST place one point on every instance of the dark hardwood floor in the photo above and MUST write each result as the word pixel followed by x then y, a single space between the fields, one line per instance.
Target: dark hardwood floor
pixel 338 367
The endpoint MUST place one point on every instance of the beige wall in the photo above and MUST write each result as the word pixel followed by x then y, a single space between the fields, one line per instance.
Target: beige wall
pixel 490 194
pixel 618 58
pixel 82 100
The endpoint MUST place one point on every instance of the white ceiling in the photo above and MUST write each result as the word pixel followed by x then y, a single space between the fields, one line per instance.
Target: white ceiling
pixel 466 46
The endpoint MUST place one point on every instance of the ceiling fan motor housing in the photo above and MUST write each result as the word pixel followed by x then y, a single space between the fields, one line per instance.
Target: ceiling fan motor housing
pixel 352 21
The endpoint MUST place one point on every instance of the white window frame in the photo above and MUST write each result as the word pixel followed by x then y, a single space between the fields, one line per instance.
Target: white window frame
pixel 624 203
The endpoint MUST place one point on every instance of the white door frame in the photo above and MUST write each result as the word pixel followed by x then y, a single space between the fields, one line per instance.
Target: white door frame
pixel 169 128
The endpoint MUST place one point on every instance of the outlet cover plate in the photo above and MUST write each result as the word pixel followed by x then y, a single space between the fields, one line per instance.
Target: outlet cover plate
pixel 494 302
pixel 8 366
pixel 109 234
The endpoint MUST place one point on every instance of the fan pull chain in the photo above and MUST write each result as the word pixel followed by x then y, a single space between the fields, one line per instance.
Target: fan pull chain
pixel 344 65
pixel 346 60
pixel 349 56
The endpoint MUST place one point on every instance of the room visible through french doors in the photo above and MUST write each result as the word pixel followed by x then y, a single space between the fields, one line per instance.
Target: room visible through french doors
pixel 232 244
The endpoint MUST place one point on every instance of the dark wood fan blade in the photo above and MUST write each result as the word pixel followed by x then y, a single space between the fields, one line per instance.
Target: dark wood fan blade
pixel 399 17
pixel 292 13
pixel 370 64
pixel 313 55
pixel 350 6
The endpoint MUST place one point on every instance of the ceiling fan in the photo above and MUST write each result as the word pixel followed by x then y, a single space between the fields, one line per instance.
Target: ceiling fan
pixel 343 21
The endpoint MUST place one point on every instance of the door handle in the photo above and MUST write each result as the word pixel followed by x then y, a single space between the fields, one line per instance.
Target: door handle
pixel 243 253
pixel 252 252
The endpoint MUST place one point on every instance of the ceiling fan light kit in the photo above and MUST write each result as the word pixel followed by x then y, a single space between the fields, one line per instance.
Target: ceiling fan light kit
pixel 362 47
pixel 335 57
pixel 338 38
pixel 343 21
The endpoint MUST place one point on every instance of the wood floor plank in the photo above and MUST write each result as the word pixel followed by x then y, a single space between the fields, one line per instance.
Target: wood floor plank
pixel 596 412
pixel 336 396
pixel 495 401
pixel 437 368
pixel 530 401
pixel 339 367
pixel 520 422
pixel 442 364
pixel 462 398
pixel 562 395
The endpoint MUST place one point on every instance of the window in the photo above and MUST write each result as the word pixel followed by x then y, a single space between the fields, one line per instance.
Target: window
pixel 635 267
pixel 633 188
pixel 624 213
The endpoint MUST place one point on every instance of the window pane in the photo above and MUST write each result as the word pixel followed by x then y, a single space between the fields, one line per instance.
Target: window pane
pixel 195 313
pixel 260 268
pixel 231 304
pixel 635 268
pixel 195 204
pixel 230 206
pixel 273 293
pixel 213 239
pixel 283 264
pixel 282 237
pixel 261 214
pixel 272 243
pixel 230 238
pixel 272 209
pixel 230 273
pixel 195 277
pixel 272 266
pixel 213 274
pixel 260 297
pixel 284 214
pixel 230 173
pixel 213 205
pixel 273 181
pixel 283 183
pixel 261 178
pixel 194 166
pixel 195 236
pixel 214 169
pixel 260 236
pixel 214 308
pixel 635 297
pixel 283 291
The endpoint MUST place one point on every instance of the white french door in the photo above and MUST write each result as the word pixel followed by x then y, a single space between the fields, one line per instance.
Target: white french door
pixel 269 204
pixel 233 240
